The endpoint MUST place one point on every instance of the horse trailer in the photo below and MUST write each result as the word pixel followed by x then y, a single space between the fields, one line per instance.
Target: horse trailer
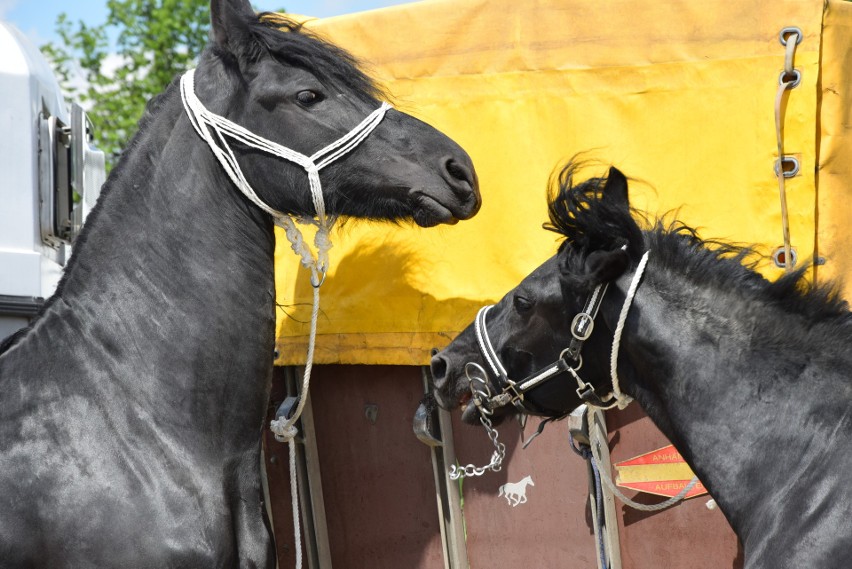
pixel 52 175
pixel 679 96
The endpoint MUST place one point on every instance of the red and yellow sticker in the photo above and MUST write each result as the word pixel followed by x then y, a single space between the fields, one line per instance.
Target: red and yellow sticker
pixel 662 472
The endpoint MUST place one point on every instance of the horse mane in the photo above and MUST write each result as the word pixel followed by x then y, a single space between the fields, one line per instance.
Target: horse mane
pixel 589 223
pixel 586 221
pixel 728 265
pixel 291 43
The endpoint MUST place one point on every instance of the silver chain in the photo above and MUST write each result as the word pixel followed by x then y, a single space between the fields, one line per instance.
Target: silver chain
pixel 480 393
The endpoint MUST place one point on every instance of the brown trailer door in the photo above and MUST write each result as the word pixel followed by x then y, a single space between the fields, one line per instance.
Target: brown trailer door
pixel 379 492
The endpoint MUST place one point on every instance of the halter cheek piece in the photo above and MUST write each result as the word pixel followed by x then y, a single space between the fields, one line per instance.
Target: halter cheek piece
pixel 570 359
pixel 569 363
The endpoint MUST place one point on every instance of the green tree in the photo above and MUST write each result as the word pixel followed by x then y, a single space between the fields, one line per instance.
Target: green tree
pixel 125 61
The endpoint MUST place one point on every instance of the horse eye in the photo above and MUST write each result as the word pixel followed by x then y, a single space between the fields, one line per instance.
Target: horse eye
pixel 308 98
pixel 522 304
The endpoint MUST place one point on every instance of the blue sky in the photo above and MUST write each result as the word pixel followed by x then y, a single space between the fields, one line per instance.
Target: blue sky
pixel 37 18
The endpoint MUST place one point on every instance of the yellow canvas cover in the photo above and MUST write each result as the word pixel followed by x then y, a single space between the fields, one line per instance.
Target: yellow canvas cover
pixel 679 95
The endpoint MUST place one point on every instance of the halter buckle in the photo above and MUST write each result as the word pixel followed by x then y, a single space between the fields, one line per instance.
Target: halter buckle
pixel 582 326
pixel 587 393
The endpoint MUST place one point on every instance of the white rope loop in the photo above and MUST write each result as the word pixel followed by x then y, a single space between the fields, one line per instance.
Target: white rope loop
pixel 596 441
pixel 622 399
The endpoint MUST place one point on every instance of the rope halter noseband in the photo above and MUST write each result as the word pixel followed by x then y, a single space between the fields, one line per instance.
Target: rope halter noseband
pixel 215 130
pixel 570 359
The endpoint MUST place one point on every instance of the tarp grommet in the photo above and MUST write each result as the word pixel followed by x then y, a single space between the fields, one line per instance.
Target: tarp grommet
pixel 790 31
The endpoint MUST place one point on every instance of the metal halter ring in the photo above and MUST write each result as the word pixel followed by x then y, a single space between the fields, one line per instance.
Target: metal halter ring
pixel 480 396
pixel 579 359
pixel 483 379
pixel 316 283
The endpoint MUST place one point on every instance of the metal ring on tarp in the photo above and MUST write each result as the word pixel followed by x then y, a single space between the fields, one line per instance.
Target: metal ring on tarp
pixel 791 84
pixel 789 31
pixel 788 172
pixel 779 254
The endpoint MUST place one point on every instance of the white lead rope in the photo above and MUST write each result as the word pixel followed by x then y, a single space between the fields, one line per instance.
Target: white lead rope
pixel 215 130
pixel 596 440
pixel 622 399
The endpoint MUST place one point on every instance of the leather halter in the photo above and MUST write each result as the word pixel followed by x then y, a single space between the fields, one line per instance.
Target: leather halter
pixel 569 362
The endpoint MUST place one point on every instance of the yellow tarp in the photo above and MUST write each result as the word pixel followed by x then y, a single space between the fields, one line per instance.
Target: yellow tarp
pixel 678 95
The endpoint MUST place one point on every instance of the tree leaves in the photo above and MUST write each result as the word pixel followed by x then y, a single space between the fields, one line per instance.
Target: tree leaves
pixel 114 68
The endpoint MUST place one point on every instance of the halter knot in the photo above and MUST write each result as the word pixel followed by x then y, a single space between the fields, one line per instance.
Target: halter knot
pixel 283 432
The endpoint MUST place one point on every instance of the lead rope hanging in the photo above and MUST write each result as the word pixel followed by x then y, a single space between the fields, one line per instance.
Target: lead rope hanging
pixel 214 130
pixel 596 441
pixel 789 79
pixel 623 400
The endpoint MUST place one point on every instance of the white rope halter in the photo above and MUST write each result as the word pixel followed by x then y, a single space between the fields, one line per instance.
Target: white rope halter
pixel 215 130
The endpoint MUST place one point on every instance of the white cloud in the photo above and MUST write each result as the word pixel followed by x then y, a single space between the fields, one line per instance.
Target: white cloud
pixel 111 63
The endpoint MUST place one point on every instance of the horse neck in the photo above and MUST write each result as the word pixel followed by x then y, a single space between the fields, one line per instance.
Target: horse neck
pixel 174 274
pixel 724 377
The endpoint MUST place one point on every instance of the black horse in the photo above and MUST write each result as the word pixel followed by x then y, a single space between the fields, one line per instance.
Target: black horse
pixel 131 410
pixel 750 379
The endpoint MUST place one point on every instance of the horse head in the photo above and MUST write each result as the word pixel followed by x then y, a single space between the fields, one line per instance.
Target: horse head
pixel 530 328
pixel 272 77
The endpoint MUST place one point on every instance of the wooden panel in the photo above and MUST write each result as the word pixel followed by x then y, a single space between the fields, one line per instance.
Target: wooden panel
pixel 377 477
pixel 379 489
pixel 553 528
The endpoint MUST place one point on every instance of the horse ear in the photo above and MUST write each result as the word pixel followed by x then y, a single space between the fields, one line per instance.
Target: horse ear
pixel 615 189
pixel 605 266
pixel 228 23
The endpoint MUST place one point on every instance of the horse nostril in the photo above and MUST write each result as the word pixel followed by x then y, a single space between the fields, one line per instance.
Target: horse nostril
pixel 461 178
pixel 440 367
pixel 460 172
pixel 456 170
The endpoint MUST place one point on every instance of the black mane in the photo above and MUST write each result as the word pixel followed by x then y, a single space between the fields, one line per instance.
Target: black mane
pixel 289 42
pixel 590 223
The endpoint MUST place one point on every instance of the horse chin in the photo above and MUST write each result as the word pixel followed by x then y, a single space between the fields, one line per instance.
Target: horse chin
pixel 429 212
pixel 432 207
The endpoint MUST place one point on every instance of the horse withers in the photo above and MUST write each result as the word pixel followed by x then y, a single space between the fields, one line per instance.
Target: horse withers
pixel 750 379
pixel 132 408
